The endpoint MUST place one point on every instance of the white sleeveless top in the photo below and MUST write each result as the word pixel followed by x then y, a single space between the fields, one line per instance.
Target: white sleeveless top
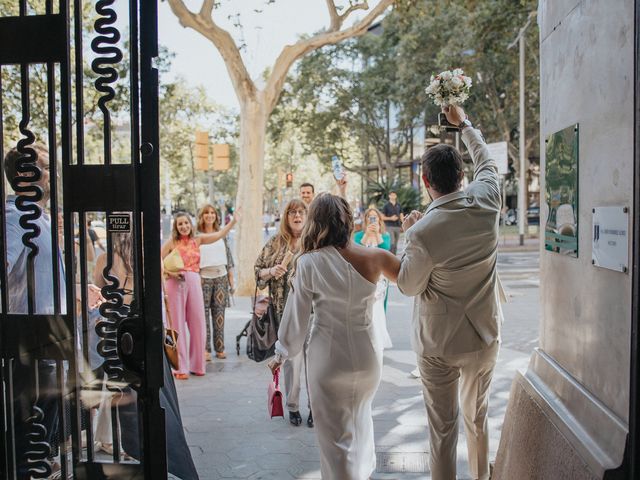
pixel 213 254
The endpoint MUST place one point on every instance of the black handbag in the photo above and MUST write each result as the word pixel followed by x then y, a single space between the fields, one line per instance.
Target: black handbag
pixel 263 329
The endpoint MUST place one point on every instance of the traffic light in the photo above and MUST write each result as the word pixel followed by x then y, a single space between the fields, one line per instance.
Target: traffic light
pixel 221 157
pixel 201 153
pixel 289 180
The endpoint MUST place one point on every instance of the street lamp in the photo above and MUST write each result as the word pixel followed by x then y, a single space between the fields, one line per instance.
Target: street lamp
pixel 522 177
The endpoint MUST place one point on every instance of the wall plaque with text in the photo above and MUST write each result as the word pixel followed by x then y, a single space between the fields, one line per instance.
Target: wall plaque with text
pixel 610 238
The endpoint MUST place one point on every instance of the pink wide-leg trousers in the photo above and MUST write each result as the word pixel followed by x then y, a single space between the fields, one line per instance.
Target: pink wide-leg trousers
pixel 186 305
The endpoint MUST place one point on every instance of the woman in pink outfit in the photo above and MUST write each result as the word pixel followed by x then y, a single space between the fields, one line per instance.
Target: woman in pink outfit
pixel 184 292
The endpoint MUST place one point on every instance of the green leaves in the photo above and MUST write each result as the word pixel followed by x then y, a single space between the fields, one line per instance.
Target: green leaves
pixel 408 197
pixel 369 92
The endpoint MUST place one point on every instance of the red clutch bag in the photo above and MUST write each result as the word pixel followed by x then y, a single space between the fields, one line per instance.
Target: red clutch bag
pixel 274 397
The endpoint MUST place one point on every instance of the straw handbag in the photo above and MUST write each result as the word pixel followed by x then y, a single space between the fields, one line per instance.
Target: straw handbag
pixel 173 262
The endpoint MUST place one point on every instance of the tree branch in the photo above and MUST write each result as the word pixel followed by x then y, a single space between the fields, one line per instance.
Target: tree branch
pixel 334 15
pixel 203 23
pixel 291 53
pixel 206 10
pixel 337 20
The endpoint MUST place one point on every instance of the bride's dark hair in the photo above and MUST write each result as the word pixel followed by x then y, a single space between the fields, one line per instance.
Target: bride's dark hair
pixel 329 223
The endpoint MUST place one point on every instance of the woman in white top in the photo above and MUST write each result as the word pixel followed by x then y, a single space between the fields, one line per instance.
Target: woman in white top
pixel 216 274
pixel 337 279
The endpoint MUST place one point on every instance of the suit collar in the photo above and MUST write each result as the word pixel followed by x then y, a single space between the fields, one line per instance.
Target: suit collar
pixel 450 197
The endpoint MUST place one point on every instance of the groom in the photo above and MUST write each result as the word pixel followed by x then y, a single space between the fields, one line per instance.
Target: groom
pixel 450 266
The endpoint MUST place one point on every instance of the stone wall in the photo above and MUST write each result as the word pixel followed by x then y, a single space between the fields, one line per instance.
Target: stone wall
pixel 577 384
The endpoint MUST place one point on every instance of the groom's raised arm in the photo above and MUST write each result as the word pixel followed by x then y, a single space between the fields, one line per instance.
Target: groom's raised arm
pixel 416 264
pixel 485 171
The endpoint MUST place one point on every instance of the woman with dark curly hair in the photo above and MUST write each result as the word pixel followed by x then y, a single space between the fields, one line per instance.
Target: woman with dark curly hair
pixel 337 279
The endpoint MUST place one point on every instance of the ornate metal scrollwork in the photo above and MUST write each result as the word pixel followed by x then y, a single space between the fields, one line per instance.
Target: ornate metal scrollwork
pixel 25 184
pixel 104 44
pixel 38 450
pixel 112 312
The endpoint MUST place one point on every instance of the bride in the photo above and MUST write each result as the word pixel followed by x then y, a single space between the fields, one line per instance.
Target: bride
pixel 337 280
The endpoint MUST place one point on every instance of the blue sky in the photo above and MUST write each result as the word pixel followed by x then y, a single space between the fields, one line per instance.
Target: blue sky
pixel 265 33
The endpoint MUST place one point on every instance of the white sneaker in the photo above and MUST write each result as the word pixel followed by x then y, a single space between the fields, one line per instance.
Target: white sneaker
pixel 415 373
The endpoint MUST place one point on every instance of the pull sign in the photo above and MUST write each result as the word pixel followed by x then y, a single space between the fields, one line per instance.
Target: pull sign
pixel 119 223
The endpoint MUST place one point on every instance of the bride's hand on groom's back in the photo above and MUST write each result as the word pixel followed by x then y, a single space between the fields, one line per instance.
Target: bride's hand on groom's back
pixel 412 218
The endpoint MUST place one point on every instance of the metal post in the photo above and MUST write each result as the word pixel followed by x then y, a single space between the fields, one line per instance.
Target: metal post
pixel 167 192
pixel 633 452
pixel 211 188
pixel 503 210
pixel 193 182
pixel 522 180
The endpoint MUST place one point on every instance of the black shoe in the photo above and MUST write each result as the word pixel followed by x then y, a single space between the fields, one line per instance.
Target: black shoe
pixel 310 420
pixel 295 419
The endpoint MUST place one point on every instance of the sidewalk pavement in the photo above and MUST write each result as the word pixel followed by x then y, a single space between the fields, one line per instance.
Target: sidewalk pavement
pixel 511 243
pixel 231 435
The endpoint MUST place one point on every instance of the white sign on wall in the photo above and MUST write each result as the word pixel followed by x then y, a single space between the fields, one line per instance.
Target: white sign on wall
pixel 498 151
pixel 610 238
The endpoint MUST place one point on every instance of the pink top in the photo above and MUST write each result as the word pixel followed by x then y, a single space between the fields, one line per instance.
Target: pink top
pixel 190 253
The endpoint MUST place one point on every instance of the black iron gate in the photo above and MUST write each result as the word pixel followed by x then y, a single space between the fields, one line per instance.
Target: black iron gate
pixel 81 319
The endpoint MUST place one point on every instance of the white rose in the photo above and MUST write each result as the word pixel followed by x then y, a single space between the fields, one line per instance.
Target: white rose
pixel 457 82
pixel 446 76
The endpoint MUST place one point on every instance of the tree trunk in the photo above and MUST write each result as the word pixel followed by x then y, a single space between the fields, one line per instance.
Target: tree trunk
pixel 253 126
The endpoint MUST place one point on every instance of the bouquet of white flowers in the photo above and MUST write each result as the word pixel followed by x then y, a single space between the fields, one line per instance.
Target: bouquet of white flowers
pixel 450 87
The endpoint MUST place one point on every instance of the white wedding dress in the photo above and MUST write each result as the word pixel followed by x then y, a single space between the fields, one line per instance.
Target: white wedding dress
pixel 344 358
pixel 380 316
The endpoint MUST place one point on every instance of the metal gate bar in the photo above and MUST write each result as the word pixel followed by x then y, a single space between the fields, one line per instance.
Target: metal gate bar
pixel 51 337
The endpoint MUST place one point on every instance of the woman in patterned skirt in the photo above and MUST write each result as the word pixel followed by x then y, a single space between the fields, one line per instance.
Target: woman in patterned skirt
pixel 216 274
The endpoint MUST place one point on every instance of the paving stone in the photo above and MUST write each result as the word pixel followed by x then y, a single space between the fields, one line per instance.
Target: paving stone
pixel 237 470
pixel 272 475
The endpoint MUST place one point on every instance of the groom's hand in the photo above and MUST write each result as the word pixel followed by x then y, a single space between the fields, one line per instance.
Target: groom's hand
pixel 413 217
pixel 455 114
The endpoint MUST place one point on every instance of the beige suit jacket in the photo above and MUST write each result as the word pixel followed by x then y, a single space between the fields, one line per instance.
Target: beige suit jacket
pixel 449 264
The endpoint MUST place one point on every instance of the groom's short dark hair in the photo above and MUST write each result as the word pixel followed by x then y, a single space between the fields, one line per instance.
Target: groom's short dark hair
pixel 442 165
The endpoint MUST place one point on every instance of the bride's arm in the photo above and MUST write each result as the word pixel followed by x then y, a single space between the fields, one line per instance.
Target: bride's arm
pixel 389 263
pixel 295 318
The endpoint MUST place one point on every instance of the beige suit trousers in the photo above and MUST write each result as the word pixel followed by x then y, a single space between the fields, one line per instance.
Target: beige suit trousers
pixel 444 378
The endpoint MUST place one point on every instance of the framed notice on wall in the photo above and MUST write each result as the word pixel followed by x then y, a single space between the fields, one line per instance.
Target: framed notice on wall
pixel 561 192
pixel 610 238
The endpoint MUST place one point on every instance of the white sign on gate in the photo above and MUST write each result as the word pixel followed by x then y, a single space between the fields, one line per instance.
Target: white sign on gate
pixel 610 238
pixel 499 152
